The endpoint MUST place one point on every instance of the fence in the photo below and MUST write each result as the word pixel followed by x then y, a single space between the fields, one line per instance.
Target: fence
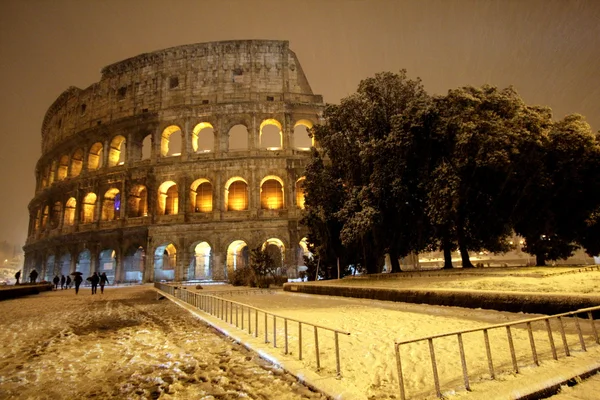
pixel 246 317
pixel 546 323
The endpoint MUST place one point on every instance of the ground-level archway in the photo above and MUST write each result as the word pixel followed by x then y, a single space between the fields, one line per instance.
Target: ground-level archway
pixel 107 263
pixel 238 256
pixel 200 267
pixel 165 261
pixel 133 264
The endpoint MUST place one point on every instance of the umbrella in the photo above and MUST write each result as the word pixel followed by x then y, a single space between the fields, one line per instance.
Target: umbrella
pixel 76 273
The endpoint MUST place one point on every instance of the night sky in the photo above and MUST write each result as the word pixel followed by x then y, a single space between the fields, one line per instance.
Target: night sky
pixel 549 50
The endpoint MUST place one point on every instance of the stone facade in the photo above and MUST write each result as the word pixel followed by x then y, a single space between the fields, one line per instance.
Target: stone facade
pixel 164 170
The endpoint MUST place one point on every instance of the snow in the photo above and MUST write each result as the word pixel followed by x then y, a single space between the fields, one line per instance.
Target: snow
pixel 128 344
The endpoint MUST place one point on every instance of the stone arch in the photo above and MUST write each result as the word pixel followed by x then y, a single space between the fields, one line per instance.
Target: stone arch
pixel 200 267
pixel 52 173
pixel 49 268
pixel 55 215
pixel 203 138
pixel 302 139
pixel 168 198
pixel 300 192
pixel 95 156
pixel 63 167
pixel 70 206
pixel 88 209
pixel 165 262
pixel 76 163
pixel 276 250
pixel 84 263
pixel 38 219
pixel 133 263
pixel 271 193
pixel 107 263
pixel 45 216
pixel 117 151
pixel 45 176
pixel 238 256
pixel 171 145
pixel 64 264
pixel 137 203
pixel 271 134
pixel 238 137
pixel 111 205
pixel 201 195
pixel 236 194
pixel 147 147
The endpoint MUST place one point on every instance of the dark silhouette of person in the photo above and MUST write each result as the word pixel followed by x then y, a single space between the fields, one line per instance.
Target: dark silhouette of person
pixel 56 281
pixel 18 276
pixel 68 283
pixel 78 279
pixel 103 281
pixel 33 276
pixel 62 282
pixel 94 280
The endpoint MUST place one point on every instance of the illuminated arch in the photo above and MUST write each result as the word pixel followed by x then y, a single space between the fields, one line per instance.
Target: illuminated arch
pixel 203 140
pixel 117 151
pixel 201 195
pixel 170 147
pixel 63 168
pixel 271 135
pixel 168 198
pixel 56 214
pixel 88 208
pixel 133 263
pixel 237 255
pixel 111 205
pixel 275 248
pixel 271 193
pixel 95 156
pixel 147 147
pixel 76 163
pixel 70 207
pixel 45 215
pixel 137 202
pixel 165 261
pixel 236 194
pixel 238 137
pixel 107 263
pixel 52 173
pixel 302 139
pixel 200 264
pixel 300 195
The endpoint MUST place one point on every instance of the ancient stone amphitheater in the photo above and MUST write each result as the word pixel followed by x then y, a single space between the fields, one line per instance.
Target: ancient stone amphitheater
pixel 175 165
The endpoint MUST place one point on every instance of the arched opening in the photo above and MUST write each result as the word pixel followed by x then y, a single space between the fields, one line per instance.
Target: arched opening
pixel 56 213
pixel 275 250
pixel 88 210
pixel 52 172
pixel 49 273
pixel 271 136
pixel 165 261
pixel 65 264
pixel 133 264
pixel 70 211
pixel 300 192
pixel 63 168
pixel 107 263
pixel 302 139
pixel 111 205
pixel 168 198
pixel 203 138
pixel 45 215
pixel 45 176
pixel 201 196
pixel 84 263
pixel 137 204
pixel 236 194
pixel 238 138
pixel 200 265
pixel 147 147
pixel 170 141
pixel 76 162
pixel 117 151
pixel 95 157
pixel 237 256
pixel 38 219
pixel 271 193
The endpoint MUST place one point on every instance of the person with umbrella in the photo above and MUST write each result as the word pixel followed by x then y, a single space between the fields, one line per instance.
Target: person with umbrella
pixel 77 279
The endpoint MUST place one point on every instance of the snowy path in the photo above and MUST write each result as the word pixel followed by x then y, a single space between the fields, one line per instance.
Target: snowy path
pixel 125 344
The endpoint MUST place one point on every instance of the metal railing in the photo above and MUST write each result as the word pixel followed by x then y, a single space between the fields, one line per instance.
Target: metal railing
pixel 557 319
pixel 246 318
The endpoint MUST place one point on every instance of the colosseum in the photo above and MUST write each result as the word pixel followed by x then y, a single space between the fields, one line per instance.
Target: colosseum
pixel 174 165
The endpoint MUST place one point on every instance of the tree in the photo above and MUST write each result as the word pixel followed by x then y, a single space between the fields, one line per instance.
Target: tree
pixel 262 265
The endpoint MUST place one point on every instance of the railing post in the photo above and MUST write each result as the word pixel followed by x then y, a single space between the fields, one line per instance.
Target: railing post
pixel 488 351
pixel 551 339
pixel 249 321
pixel 299 340
pixel 463 362
pixel 564 337
pixel 399 367
pixel 286 335
pixel 512 349
pixel 337 356
pixel 236 315
pixel 266 330
pixel 436 379
pixel 274 331
pixel 255 323
pixel 317 348
pixel 594 331
pixel 532 343
pixel 581 341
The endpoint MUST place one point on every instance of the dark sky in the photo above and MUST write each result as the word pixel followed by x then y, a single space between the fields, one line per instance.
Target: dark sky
pixel 549 50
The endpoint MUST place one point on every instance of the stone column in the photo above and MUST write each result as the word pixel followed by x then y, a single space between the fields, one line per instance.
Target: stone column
pixel 183 261
pixel 186 143
pixel 119 270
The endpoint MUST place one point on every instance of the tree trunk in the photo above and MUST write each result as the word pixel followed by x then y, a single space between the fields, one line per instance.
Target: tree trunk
pixel 464 255
pixel 446 245
pixel 394 261
pixel 540 260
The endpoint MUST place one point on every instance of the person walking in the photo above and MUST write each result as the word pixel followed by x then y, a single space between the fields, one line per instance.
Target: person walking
pixel 78 279
pixel 56 281
pixel 68 283
pixel 103 281
pixel 33 276
pixel 62 282
pixel 94 280
pixel 18 276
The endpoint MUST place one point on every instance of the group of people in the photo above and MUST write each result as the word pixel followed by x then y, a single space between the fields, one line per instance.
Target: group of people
pixel 67 283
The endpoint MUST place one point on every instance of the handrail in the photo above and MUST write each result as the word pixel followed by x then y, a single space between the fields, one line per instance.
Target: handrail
pixel 589 311
pixel 223 309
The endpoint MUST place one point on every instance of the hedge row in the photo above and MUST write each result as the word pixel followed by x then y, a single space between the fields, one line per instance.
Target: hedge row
pixel 24 290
